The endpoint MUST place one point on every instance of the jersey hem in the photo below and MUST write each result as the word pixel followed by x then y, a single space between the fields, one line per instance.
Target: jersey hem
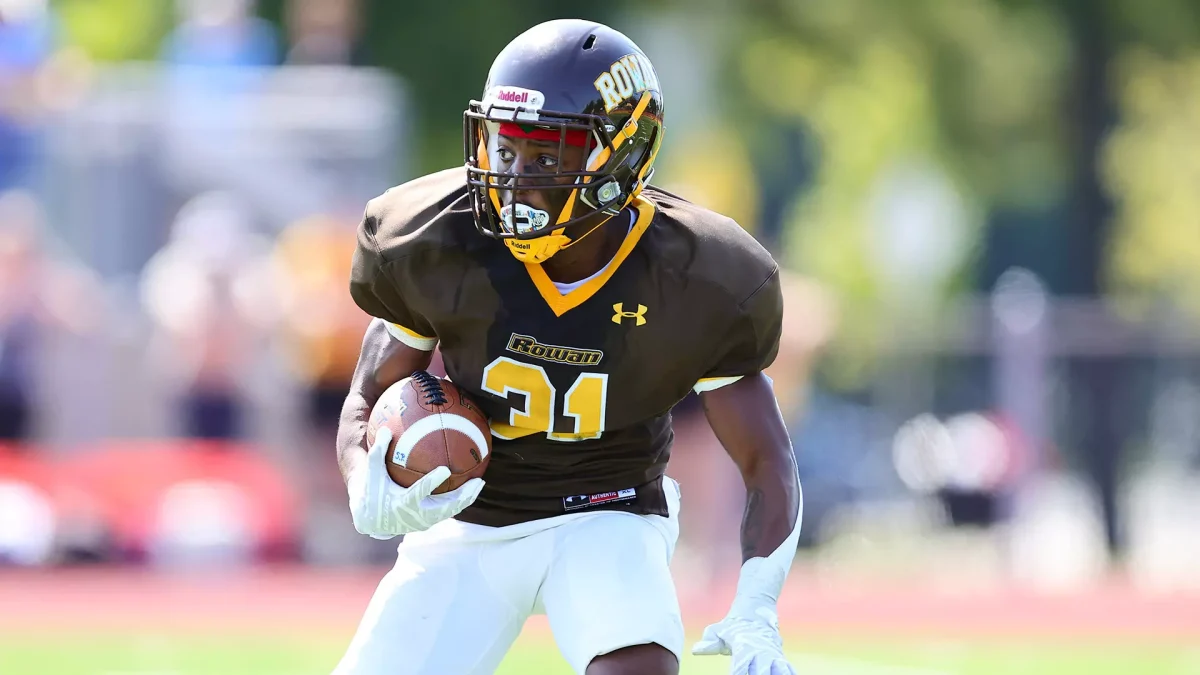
pixel 711 383
pixel 410 338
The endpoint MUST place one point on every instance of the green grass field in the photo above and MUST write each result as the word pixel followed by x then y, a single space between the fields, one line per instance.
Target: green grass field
pixel 150 654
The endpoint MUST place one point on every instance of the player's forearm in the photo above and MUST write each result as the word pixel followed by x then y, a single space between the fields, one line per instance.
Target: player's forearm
pixel 772 503
pixel 382 362
pixel 352 432
pixel 770 532
pixel 747 421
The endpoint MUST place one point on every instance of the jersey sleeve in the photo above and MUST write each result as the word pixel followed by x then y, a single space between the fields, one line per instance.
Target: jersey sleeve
pixel 378 292
pixel 752 341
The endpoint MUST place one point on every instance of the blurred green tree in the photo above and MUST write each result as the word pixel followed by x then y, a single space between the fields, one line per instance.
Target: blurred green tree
pixel 922 116
pixel 114 30
pixel 1152 170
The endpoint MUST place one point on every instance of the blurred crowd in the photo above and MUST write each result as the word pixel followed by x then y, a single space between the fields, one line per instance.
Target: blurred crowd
pixel 239 303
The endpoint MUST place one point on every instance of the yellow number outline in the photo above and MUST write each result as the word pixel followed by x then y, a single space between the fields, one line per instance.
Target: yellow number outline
pixel 585 403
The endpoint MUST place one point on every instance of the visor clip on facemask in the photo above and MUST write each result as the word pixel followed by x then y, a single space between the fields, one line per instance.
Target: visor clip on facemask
pixel 607 194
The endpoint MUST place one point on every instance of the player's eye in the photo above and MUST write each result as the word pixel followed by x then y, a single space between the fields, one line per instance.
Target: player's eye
pixel 505 155
pixel 548 161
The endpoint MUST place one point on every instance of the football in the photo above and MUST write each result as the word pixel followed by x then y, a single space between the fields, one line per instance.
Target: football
pixel 433 424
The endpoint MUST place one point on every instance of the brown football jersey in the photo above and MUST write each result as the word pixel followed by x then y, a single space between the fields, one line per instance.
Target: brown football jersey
pixel 578 386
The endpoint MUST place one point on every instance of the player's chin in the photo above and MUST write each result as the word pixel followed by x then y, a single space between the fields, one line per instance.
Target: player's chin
pixel 587 225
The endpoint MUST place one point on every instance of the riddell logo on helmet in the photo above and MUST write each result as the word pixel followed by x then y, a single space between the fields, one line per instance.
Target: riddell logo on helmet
pixel 512 96
pixel 513 102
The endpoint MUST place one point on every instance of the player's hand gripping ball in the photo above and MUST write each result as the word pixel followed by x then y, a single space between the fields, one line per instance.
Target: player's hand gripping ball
pixel 433 424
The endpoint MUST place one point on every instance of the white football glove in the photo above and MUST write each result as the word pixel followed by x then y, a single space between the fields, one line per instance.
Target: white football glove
pixel 382 508
pixel 753 641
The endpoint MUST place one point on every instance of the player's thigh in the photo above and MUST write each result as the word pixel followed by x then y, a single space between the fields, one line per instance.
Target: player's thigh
pixel 609 586
pixel 443 609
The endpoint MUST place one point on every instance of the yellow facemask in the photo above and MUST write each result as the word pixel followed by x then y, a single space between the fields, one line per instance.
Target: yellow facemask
pixel 540 249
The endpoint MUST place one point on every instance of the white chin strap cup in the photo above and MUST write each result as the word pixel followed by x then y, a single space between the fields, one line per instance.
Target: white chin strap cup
pixel 521 218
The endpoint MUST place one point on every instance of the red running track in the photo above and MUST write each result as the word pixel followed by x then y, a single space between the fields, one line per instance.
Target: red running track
pixel 295 599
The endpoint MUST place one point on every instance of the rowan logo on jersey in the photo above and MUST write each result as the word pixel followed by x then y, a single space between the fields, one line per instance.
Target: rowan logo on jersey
pixel 583 501
pixel 529 346
pixel 627 76
pixel 639 316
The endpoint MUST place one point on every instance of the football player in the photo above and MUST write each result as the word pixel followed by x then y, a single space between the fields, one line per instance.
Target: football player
pixel 577 303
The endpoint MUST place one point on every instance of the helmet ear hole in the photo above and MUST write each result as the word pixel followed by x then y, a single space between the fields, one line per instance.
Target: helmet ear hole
pixel 634 162
pixel 635 157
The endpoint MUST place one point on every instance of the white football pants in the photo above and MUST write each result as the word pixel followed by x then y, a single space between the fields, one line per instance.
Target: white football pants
pixel 460 593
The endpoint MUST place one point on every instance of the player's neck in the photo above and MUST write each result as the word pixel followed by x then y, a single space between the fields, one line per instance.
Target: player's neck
pixel 590 254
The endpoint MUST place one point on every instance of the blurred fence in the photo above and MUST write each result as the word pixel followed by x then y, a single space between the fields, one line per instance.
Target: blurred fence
pixel 117 170
pixel 143 139
pixel 1069 433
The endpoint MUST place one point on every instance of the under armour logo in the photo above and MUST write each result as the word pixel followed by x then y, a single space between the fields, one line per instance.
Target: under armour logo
pixel 639 315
